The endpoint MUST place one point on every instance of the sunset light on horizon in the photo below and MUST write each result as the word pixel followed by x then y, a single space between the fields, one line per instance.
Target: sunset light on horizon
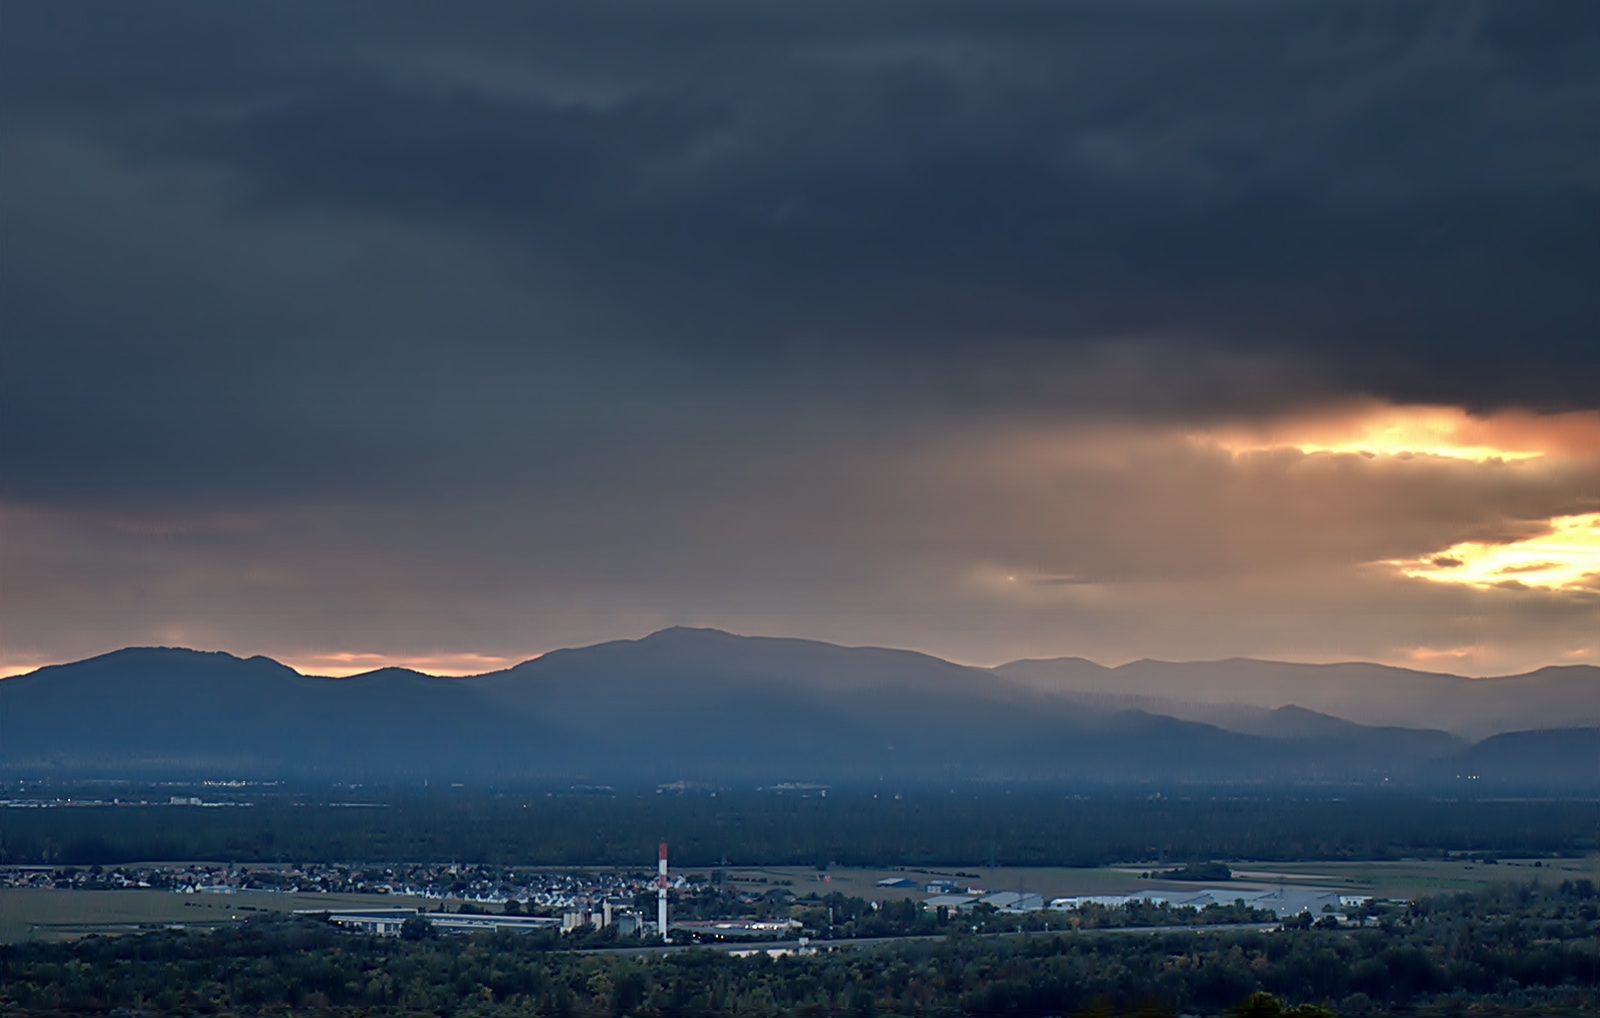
pixel 342 665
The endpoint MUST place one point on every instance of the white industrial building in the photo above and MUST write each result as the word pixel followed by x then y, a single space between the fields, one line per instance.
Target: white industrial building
pixel 388 922
pixel 1000 901
pixel 1282 901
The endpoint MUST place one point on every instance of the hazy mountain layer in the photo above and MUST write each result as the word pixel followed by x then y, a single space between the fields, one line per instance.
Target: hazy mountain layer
pixel 702 704
pixel 1367 694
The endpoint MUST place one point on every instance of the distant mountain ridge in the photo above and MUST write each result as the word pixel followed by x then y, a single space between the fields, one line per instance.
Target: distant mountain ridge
pixel 1364 693
pixel 690 703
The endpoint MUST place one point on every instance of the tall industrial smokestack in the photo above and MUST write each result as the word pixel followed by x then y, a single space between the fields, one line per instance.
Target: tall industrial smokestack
pixel 661 892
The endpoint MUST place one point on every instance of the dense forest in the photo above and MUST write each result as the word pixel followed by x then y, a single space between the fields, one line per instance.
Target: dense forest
pixel 1511 951
pixel 853 827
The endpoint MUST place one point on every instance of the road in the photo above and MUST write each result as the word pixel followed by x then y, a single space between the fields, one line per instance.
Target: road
pixel 794 945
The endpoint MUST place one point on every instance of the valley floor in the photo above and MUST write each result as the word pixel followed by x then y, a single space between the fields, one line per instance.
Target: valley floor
pixel 36 914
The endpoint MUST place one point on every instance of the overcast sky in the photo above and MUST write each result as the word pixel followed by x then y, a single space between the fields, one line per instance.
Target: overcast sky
pixel 450 334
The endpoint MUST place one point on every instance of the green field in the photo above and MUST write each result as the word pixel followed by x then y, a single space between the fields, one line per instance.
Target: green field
pixel 1399 879
pixel 1410 879
pixel 29 913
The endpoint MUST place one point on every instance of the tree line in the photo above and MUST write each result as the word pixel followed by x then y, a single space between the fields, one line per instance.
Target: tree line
pixel 1525 950
pixel 851 827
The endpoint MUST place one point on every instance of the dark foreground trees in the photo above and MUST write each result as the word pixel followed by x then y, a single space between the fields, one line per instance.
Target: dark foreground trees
pixel 1523 950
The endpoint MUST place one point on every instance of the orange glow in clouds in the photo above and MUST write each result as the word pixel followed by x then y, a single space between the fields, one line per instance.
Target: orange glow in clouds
pixel 1410 431
pixel 1567 558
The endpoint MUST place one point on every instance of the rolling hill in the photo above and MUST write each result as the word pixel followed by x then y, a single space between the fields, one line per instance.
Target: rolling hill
pixel 699 704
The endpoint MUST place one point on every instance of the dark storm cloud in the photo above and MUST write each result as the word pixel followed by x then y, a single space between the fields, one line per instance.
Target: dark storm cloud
pixel 318 239
pixel 1407 195
pixel 399 325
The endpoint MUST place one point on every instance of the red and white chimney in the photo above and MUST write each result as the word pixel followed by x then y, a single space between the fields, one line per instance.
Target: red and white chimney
pixel 661 891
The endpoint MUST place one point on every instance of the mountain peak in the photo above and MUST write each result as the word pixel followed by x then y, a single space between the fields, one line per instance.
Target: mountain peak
pixel 163 659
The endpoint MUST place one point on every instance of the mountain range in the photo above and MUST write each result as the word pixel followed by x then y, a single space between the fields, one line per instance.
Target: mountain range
pixel 706 705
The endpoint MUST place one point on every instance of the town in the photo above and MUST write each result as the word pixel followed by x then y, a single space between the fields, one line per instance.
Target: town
pixel 706 905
